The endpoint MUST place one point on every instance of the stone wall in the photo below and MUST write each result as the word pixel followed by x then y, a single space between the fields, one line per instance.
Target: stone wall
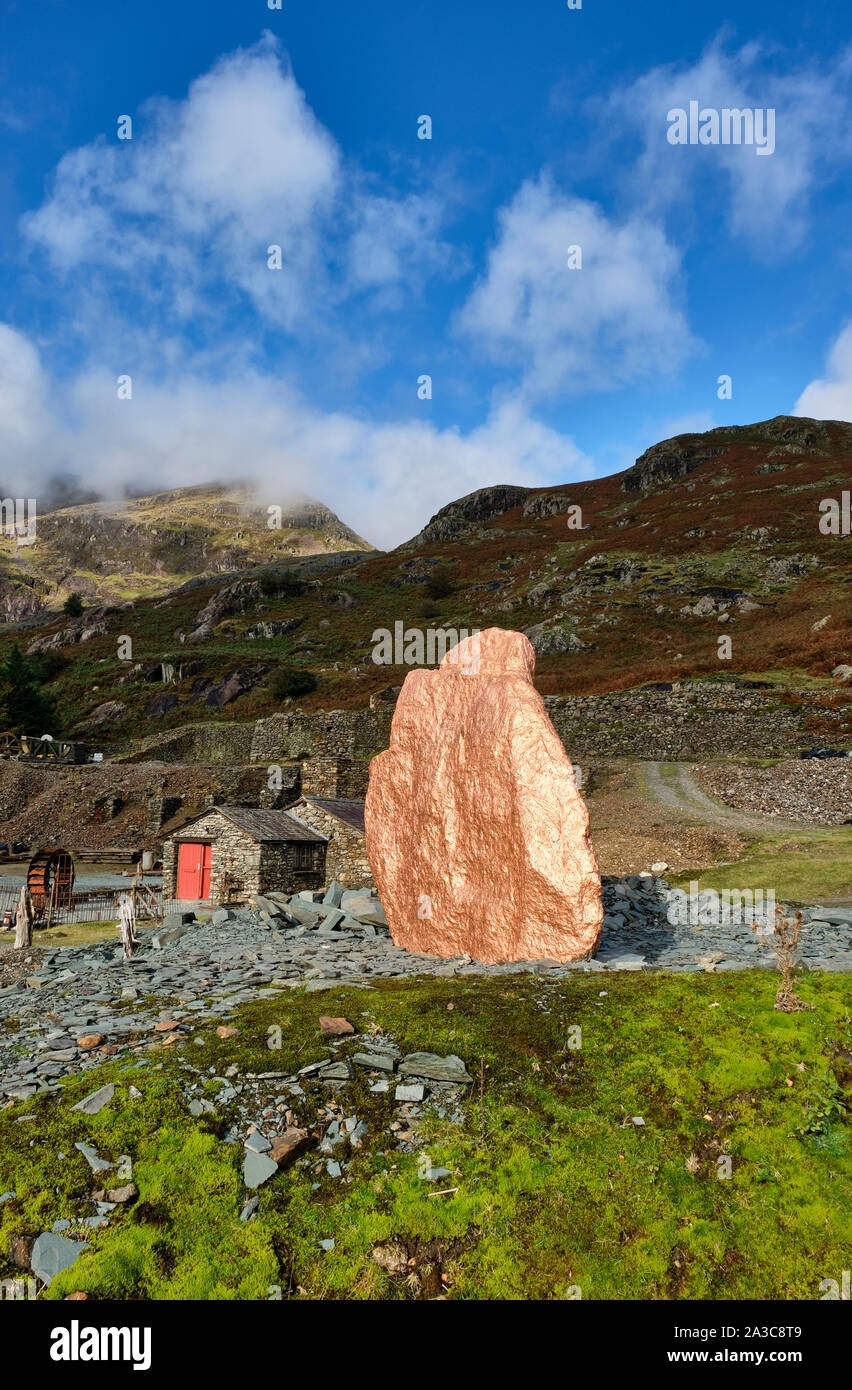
pixel 699 720
pixel 336 733
pixel 280 871
pixel 335 777
pixel 692 721
pixel 198 743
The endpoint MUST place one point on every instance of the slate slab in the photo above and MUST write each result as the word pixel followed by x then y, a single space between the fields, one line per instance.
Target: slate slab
pixel 53 1253
pixel 435 1068
pixel 96 1101
pixel 258 1169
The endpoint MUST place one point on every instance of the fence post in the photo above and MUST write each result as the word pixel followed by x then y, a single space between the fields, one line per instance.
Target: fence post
pixel 53 887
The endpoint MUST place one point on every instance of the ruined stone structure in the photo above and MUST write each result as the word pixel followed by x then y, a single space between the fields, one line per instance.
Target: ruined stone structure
pixel 335 777
pixel 477 835
pixel 307 734
pixel 342 823
pixel 229 852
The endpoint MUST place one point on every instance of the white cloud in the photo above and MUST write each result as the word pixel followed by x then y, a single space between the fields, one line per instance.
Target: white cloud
pixel 385 480
pixel 830 397
pixel 612 321
pixel 24 431
pixel 767 200
pixel 186 209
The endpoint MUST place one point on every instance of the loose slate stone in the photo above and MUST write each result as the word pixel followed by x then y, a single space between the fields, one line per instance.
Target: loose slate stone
pixel 287 1146
pixel 258 1169
pixel 53 1253
pixel 435 1068
pixel 335 1071
pixel 433 1174
pixel 93 1158
pixel 377 1061
pixel 410 1093
pixel 335 1027
pixel 119 1196
pixel 96 1101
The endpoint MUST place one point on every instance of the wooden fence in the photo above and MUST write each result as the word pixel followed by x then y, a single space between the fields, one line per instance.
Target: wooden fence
pixel 89 905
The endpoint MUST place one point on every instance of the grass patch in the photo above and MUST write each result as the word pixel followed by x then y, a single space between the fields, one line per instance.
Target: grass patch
pixel 802 866
pixel 558 1189
pixel 76 934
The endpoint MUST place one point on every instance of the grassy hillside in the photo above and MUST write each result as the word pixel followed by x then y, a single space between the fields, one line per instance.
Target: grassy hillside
pixel 146 546
pixel 707 537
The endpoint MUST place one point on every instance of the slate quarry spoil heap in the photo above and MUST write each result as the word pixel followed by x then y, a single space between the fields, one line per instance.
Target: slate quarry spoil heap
pixel 476 833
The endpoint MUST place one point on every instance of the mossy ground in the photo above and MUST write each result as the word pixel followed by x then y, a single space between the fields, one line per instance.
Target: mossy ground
pixel 556 1188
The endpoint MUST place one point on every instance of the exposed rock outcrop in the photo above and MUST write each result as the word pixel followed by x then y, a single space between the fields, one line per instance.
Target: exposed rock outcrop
pixel 461 516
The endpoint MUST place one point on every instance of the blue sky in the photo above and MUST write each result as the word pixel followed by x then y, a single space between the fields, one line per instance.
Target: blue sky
pixel 401 257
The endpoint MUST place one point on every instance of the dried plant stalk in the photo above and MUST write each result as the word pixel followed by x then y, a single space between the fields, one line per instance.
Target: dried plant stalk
pixel 784 941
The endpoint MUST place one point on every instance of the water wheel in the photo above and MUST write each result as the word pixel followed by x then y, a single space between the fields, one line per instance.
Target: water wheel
pixel 50 879
pixel 10 745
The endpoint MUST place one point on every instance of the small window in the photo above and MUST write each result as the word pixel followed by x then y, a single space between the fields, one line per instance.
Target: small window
pixel 304 856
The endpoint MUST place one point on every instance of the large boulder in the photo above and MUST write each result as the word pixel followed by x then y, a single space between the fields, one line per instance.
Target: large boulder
pixel 476 833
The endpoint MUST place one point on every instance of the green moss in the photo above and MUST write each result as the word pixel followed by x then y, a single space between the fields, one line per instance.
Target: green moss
pixel 555 1185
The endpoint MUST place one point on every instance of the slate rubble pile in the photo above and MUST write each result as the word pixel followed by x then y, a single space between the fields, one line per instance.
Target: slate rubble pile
pixel 810 790
pixel 82 1005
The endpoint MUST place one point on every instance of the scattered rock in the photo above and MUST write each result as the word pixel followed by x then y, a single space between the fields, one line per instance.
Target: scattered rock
pixel 435 1068
pixel 53 1253
pixel 96 1101
pixel 258 1169
pixel 335 1027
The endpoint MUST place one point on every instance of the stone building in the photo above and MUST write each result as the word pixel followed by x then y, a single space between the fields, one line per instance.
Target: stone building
pixel 341 822
pixel 226 853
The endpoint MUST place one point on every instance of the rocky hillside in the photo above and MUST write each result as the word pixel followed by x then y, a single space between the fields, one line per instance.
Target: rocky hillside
pixel 705 559
pixel 147 546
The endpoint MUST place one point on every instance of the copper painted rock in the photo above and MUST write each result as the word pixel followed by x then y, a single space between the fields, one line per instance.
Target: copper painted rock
pixel 477 836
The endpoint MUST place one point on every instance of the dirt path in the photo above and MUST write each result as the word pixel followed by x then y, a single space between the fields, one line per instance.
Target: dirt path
pixel 681 792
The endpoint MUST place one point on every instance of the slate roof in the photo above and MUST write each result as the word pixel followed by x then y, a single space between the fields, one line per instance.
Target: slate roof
pixel 265 826
pixel 351 813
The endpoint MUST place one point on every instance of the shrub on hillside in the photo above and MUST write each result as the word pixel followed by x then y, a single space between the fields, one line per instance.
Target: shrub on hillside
pixel 440 584
pixel 289 682
pixel 73 605
pixel 281 584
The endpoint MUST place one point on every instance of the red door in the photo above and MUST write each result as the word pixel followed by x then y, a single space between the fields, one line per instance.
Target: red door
pixel 193 879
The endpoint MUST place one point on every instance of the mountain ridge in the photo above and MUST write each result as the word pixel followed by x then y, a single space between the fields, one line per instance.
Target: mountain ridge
pixel 615 586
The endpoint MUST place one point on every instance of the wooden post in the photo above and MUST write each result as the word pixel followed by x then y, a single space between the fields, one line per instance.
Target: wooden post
pixel 53 887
